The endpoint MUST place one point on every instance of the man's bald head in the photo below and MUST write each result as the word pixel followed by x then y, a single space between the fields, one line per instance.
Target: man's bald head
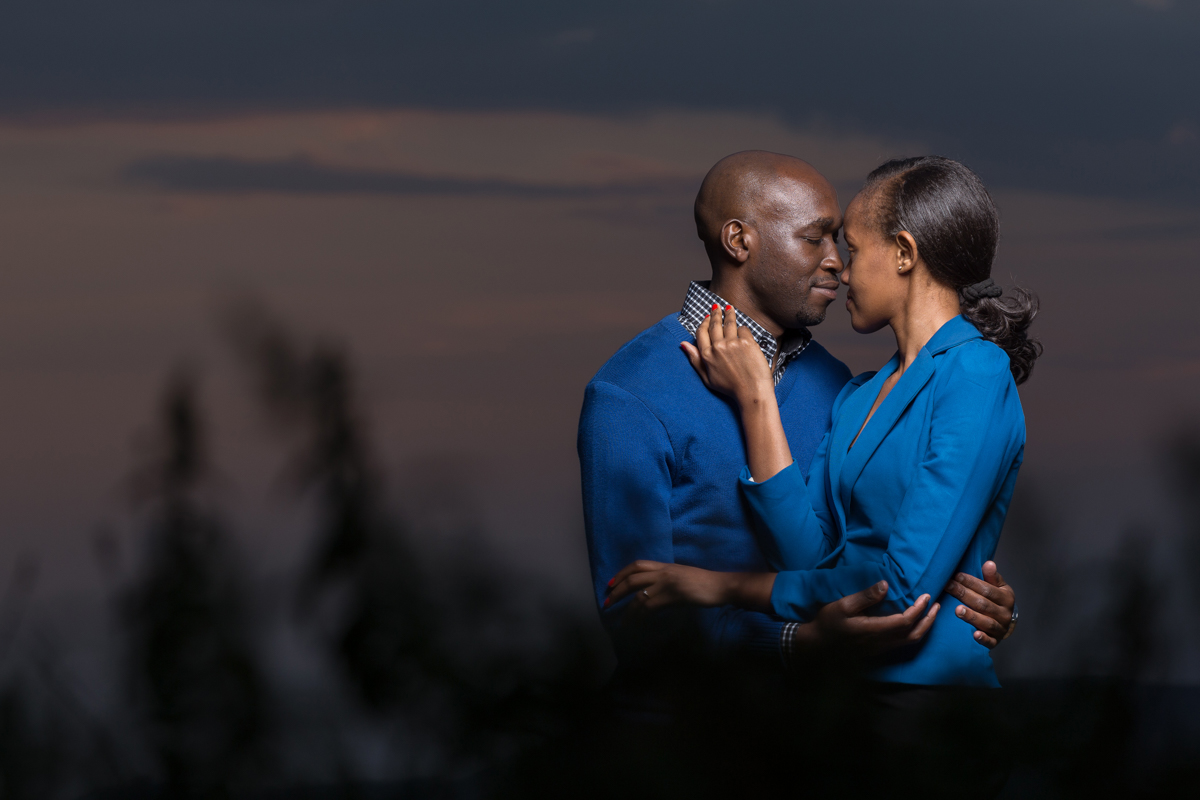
pixel 770 225
pixel 748 186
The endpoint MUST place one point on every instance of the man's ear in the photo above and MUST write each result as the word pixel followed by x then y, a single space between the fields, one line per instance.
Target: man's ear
pixel 738 239
pixel 906 251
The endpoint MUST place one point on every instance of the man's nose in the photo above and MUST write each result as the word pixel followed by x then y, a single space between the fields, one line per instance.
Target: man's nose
pixel 833 261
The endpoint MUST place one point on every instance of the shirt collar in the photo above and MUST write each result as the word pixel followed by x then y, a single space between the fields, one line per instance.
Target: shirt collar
pixel 698 303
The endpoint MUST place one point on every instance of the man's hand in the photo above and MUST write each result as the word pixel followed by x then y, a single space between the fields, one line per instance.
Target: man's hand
pixel 987 604
pixel 843 624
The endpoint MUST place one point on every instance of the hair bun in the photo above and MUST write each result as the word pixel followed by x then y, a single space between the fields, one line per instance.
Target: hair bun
pixel 985 288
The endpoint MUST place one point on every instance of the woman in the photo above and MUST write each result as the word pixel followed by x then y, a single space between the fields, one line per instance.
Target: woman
pixel 914 479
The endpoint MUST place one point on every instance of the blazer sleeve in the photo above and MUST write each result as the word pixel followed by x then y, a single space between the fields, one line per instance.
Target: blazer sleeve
pixel 794 517
pixel 794 523
pixel 976 432
pixel 626 463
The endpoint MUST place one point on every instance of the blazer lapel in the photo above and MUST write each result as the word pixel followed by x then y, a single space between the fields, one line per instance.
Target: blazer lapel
pixel 846 463
pixel 849 420
pixel 886 416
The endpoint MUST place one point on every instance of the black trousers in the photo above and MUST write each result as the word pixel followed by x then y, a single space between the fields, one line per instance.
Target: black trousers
pixel 935 741
pixel 746 734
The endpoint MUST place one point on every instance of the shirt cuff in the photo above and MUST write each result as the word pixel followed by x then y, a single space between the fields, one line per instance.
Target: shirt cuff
pixel 787 643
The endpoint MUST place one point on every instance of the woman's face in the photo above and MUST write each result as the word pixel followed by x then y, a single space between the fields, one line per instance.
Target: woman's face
pixel 876 290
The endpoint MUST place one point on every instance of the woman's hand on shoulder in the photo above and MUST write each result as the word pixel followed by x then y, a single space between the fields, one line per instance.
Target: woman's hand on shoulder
pixel 728 359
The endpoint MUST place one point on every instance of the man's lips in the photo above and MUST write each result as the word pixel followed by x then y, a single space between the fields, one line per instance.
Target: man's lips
pixel 827 289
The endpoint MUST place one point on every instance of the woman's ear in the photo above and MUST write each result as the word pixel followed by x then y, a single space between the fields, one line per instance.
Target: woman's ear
pixel 906 251
pixel 737 238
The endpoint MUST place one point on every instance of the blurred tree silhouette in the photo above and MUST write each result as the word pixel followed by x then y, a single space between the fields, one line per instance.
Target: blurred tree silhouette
pixel 191 664
pixel 447 649
pixel 483 684
pixel 1183 458
pixel 1108 731
pixel 31 755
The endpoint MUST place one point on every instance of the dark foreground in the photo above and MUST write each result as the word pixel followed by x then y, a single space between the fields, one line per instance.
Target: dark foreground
pixel 1063 739
pixel 487 686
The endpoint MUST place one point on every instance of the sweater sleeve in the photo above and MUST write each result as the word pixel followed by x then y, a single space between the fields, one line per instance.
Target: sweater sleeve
pixel 627 464
pixel 970 453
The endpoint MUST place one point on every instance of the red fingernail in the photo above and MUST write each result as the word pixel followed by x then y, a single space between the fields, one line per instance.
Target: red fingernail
pixel 715 306
pixel 613 579
pixel 706 316
pixel 607 600
pixel 729 308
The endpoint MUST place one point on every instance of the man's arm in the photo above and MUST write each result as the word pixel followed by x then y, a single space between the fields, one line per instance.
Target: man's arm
pixel 626 462
pixel 843 625
pixel 840 625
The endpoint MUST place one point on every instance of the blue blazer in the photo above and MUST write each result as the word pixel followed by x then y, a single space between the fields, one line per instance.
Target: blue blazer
pixel 920 496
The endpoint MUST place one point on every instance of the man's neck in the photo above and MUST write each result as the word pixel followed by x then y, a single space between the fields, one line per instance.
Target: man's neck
pixel 736 294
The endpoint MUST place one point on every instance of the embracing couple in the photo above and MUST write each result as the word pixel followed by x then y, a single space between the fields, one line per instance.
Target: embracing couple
pixel 750 504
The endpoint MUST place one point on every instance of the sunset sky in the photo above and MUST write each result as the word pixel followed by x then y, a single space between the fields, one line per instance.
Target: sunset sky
pixel 483 201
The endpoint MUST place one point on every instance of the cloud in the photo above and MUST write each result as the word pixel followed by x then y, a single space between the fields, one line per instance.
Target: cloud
pixel 1183 133
pixel 1021 87
pixel 1164 231
pixel 302 175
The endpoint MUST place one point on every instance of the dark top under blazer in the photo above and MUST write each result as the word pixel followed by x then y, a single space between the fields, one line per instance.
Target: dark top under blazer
pixel 919 497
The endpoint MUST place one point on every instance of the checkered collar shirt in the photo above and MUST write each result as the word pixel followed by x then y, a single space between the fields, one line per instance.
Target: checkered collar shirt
pixel 699 302
pixel 696 305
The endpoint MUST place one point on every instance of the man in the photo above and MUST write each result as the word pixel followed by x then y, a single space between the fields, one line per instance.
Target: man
pixel 660 454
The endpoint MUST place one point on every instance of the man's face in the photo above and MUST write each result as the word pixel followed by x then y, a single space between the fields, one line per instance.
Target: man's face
pixel 794 273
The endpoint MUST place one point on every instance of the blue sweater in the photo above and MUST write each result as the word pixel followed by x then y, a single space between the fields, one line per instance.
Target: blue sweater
pixel 922 494
pixel 660 456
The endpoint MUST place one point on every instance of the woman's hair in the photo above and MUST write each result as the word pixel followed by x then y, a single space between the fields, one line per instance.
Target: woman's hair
pixel 948 212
